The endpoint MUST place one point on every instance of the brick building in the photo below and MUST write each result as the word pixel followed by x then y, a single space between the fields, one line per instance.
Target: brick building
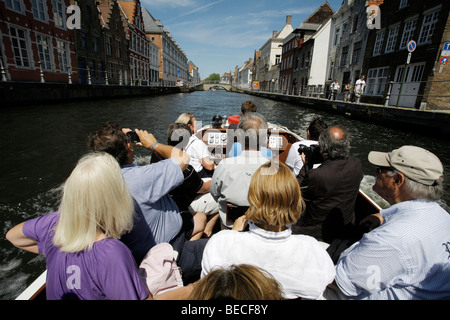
pixel 415 83
pixel 116 42
pixel 90 44
pixel 298 49
pixel 138 43
pixel 35 43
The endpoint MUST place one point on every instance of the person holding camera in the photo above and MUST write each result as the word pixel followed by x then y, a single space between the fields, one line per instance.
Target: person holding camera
pixel 330 190
pixel 294 159
pixel 150 185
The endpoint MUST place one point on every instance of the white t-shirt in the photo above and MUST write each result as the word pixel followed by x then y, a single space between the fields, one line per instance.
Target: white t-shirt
pixel 294 159
pixel 335 86
pixel 298 262
pixel 197 150
pixel 360 84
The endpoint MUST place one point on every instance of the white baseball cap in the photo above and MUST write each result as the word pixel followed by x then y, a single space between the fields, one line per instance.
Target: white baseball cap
pixel 415 163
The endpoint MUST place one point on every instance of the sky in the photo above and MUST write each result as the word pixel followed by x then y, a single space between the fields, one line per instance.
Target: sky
pixel 218 35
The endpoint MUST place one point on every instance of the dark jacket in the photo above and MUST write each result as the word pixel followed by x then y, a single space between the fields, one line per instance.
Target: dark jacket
pixel 330 193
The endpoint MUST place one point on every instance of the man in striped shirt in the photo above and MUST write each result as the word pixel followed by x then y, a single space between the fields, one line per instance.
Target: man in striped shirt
pixel 407 255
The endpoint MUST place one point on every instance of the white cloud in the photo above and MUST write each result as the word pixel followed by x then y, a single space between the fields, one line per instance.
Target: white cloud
pixel 197 9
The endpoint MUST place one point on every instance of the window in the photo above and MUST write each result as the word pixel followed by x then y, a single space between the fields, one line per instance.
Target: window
pixel 88 14
pixel 63 55
pixel 83 40
pixel 108 45
pixel 428 26
pixel 376 81
pixel 392 39
pixel 95 47
pixel 417 73
pixel 38 9
pixel 356 52
pixel 19 46
pixel 355 23
pixel 344 56
pixel 336 37
pixel 15 5
pixel 408 33
pixel 59 9
pixel 43 44
pixel 403 4
pixel 378 44
pixel 277 59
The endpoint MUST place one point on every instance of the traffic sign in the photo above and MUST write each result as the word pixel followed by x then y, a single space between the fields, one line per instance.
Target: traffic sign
pixel 443 60
pixel 446 50
pixel 411 46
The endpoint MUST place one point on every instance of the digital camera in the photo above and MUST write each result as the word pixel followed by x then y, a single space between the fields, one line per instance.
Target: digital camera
pixel 312 154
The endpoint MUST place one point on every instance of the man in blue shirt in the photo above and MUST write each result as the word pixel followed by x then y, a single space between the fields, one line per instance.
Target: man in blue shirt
pixel 158 218
pixel 407 255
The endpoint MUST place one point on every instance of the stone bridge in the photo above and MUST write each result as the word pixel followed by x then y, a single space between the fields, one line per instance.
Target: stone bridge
pixel 218 86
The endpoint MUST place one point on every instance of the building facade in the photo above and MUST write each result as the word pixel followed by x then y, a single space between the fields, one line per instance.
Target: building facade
pixel 35 42
pixel 194 75
pixel 115 43
pixel 90 44
pixel 138 44
pixel 270 55
pixel 348 41
pixel 173 62
pixel 305 53
pixel 413 82
pixel 244 78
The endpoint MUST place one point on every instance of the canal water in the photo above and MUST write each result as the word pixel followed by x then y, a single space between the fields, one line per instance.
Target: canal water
pixel 41 145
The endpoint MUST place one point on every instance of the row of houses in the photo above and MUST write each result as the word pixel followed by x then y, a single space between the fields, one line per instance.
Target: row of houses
pixel 346 44
pixel 89 42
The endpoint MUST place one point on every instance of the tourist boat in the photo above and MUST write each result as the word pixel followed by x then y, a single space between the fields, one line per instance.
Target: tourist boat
pixel 280 140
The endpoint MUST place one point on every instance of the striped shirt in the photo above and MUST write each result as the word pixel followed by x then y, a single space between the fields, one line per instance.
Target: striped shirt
pixel 407 257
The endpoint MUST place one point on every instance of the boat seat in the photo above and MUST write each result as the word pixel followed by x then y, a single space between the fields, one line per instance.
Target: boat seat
pixel 216 140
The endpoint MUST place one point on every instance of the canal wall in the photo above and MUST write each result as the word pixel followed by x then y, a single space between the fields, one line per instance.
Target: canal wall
pixel 18 93
pixel 427 122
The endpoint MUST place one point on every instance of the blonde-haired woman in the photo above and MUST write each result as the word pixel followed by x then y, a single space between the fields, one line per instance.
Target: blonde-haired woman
pixel 85 259
pixel 196 148
pixel 237 282
pixel 298 262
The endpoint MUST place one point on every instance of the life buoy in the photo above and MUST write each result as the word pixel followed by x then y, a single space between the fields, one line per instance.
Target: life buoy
pixel 234 118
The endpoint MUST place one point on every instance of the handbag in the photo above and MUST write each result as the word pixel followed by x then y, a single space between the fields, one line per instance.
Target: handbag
pixel 159 269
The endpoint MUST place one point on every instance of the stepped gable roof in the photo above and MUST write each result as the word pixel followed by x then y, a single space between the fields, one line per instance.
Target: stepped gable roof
pixel 128 8
pixel 105 14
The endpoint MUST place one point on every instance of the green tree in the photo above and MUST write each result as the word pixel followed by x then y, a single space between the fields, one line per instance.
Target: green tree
pixel 213 77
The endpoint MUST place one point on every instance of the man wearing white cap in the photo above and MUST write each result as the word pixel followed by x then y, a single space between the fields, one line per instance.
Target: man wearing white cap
pixel 407 255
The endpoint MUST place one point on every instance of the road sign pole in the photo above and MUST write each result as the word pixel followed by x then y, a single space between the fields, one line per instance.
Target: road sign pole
pixel 411 46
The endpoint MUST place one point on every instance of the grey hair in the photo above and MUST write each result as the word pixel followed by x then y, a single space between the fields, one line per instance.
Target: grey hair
pixel 252 120
pixel 334 148
pixel 252 130
pixel 418 190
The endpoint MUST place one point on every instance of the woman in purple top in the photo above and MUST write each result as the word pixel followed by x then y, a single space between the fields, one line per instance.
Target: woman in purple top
pixel 85 260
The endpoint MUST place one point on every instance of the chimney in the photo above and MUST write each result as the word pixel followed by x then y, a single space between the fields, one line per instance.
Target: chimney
pixel 274 33
pixel 288 19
